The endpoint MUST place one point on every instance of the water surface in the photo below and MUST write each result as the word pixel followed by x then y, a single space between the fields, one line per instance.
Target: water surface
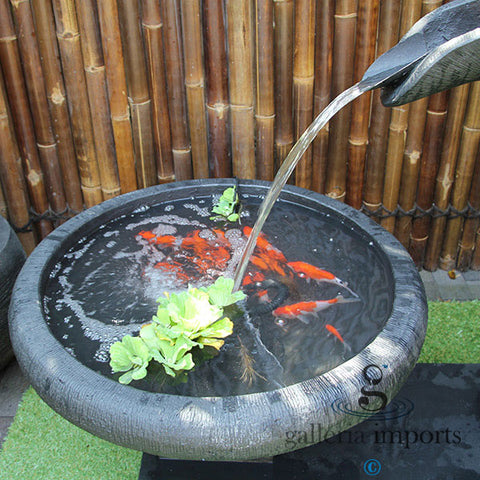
pixel 107 284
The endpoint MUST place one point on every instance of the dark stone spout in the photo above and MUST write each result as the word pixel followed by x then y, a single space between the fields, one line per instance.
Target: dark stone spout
pixel 441 51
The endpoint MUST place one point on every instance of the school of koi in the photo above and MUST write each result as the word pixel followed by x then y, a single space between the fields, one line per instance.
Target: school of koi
pixel 191 257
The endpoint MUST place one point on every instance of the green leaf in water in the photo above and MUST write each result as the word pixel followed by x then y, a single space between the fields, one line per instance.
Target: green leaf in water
pixel 132 356
pixel 192 310
pixel 220 293
pixel 185 320
pixel 228 206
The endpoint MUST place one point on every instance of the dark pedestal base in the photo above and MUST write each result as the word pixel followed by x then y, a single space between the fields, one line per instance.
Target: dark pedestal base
pixel 155 468
pixel 431 431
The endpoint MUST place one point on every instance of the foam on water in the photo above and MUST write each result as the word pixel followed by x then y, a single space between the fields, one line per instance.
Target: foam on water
pixel 200 211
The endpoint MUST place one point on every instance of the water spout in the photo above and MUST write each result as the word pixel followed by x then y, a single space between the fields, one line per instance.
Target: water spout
pixel 439 52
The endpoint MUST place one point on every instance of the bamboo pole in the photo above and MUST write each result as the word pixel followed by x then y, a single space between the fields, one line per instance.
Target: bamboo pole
pixel 463 176
pixel 138 92
pixel 323 82
pixel 239 28
pixel 413 153
pixel 283 70
pixel 434 131
pixel 21 115
pixel 397 130
pixel 36 91
pixel 445 177
pixel 470 226
pixel 265 99
pixel 343 59
pixel 217 88
pixel 358 140
pixel 72 65
pixel 195 85
pixel 11 176
pixel 181 149
pixel 303 80
pixel 388 29
pixel 117 93
pixel 97 95
pixel 475 265
pixel 3 204
pixel 55 90
pixel 412 158
pixel 152 28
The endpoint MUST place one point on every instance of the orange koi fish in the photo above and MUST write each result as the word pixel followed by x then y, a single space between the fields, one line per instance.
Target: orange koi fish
pixel 335 332
pixel 302 309
pixel 259 262
pixel 267 257
pixel 174 268
pixel 310 272
pixel 147 235
pixel 251 278
pixel 205 254
pixel 165 240
pixel 266 246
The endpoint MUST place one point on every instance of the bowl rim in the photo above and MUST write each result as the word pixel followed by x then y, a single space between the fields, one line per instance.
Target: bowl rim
pixel 215 428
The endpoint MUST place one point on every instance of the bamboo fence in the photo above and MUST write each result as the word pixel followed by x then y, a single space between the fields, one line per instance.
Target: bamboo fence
pixel 388 31
pixel 101 97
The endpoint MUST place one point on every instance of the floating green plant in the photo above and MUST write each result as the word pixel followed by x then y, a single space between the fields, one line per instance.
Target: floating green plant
pixel 185 320
pixel 228 206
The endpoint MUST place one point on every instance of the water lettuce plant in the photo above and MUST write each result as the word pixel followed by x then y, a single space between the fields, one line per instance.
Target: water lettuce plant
pixel 228 206
pixel 186 320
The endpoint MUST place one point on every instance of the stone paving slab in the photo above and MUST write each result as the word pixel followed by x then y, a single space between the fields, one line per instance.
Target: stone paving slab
pixel 12 387
pixel 440 286
pixel 408 440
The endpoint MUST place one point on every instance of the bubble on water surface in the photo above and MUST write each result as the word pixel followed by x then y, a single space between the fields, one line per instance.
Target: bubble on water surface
pixel 200 211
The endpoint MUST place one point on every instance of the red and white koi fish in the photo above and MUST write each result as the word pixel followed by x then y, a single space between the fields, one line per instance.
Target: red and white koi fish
pixel 310 272
pixel 302 310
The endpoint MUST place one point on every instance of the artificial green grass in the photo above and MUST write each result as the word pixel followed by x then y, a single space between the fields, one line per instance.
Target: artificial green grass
pixel 453 333
pixel 41 445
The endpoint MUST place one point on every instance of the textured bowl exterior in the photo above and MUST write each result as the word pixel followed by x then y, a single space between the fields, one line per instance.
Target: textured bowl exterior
pixel 213 428
pixel 12 257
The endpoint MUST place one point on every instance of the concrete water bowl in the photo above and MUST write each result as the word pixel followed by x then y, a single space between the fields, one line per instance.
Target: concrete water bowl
pixel 234 427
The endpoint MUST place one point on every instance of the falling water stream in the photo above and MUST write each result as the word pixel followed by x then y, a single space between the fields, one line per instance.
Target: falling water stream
pixel 288 166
